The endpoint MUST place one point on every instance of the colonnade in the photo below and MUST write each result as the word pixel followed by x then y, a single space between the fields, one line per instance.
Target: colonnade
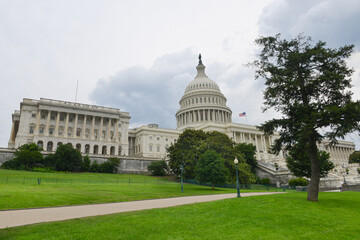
pixel 203 115
pixel 339 154
pixel 83 130
pixel 262 142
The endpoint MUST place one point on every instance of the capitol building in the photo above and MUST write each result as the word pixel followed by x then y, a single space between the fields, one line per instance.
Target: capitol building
pixel 103 132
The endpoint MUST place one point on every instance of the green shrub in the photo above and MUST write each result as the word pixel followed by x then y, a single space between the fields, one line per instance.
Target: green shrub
pixel 265 181
pixel 26 157
pixel 158 168
pixel 44 169
pixel 94 167
pixel 86 164
pixel 298 182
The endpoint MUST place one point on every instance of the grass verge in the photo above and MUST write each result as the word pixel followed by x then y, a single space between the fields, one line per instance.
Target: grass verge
pixel 283 216
pixel 20 189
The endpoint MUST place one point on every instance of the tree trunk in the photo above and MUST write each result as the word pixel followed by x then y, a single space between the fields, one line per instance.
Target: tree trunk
pixel 313 191
pixel 213 187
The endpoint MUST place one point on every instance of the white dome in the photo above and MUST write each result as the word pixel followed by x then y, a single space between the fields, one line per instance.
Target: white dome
pixel 202 102
pixel 201 82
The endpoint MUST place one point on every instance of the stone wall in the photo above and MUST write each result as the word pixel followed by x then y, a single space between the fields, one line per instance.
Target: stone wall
pixel 6 154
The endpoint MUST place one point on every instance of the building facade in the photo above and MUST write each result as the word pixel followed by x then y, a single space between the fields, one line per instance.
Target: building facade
pixel 103 131
pixel 90 129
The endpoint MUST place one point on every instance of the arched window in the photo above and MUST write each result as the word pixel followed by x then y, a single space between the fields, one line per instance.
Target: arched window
pixel 78 147
pixel 87 148
pixel 96 149
pixel 104 150
pixel 112 150
pixel 49 146
pixel 40 144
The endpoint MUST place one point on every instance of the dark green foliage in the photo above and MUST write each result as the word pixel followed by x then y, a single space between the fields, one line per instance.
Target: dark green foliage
pixel 109 166
pixel 309 84
pixel 211 168
pixel 354 157
pixel 86 164
pixel 185 152
pixel 193 143
pixel 299 163
pixel 66 158
pixel 26 157
pixel 298 182
pixel 158 168
pixel 265 181
pixel 94 167
pixel 248 150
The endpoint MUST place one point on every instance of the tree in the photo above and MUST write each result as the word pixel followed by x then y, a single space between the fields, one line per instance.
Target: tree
pixel 158 168
pixel 299 163
pixel 185 152
pixel 309 84
pixel 86 164
pixel 249 152
pixel 94 167
pixel 211 169
pixel 354 157
pixel 27 156
pixel 66 158
pixel 109 166
pixel 193 143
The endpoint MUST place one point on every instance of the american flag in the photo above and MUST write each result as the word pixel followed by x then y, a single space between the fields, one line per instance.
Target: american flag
pixel 243 114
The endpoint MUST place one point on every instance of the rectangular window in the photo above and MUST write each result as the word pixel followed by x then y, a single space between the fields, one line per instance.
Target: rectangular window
pixel 43 116
pixel 158 148
pixel 150 148
pixel 52 117
pixel 51 131
pixel 60 132
pixel 70 119
pixel 41 130
pixel 62 118
pixel 78 132
pixel 31 131
pixel 33 115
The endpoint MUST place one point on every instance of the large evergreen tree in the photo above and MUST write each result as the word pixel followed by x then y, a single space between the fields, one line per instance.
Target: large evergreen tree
pixel 309 84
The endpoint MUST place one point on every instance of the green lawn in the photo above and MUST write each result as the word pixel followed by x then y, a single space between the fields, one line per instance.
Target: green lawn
pixel 283 216
pixel 20 189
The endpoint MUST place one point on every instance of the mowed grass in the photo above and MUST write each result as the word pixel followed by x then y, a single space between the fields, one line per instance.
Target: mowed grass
pixel 20 189
pixel 283 216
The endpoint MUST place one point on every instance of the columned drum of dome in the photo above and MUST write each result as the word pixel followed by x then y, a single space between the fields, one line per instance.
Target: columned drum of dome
pixel 202 102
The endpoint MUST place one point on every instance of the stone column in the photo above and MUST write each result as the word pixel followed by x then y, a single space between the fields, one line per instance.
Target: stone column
pixel 57 124
pixel 108 130
pixel 47 124
pixel 92 128
pixel 84 128
pixel 256 143
pixel 117 131
pixel 75 125
pixel 12 134
pixel 101 128
pixel 66 124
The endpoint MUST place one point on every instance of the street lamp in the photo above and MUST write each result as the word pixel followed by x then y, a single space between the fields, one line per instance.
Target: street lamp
pixel 237 177
pixel 182 169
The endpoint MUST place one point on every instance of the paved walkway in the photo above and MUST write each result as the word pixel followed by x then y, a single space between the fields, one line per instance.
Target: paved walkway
pixel 13 218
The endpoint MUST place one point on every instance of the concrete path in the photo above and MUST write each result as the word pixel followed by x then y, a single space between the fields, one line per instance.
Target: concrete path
pixel 13 218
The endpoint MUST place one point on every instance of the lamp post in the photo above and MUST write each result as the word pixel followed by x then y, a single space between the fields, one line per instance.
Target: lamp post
pixel 182 169
pixel 237 177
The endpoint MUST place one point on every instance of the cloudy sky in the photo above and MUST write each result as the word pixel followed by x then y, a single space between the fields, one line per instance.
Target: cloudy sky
pixel 139 56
